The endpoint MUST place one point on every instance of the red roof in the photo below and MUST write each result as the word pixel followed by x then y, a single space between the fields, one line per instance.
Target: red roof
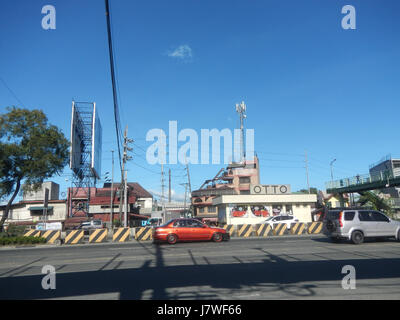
pixel 134 187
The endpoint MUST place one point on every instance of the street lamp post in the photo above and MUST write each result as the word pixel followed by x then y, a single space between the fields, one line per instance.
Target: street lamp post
pixel 331 164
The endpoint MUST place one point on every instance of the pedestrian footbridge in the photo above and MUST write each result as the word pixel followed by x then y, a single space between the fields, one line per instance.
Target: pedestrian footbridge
pixel 365 182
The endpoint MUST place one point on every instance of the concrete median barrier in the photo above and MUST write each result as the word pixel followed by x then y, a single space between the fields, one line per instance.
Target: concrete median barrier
pixel 98 235
pixel 51 236
pixel 298 228
pixel 32 233
pixel 74 237
pixel 263 230
pixel 245 230
pixel 280 229
pixel 314 228
pixel 121 234
pixel 144 234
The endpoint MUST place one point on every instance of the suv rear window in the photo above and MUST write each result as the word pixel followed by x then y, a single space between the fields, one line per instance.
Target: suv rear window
pixel 349 215
pixel 332 215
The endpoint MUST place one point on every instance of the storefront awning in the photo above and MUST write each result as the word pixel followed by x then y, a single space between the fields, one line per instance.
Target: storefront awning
pixel 39 208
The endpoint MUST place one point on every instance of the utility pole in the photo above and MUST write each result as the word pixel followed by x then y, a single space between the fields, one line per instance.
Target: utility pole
pixel 190 189
pixel 241 110
pixel 184 203
pixel 126 201
pixel 112 191
pixel 162 192
pixel 188 174
pixel 308 180
pixel 123 185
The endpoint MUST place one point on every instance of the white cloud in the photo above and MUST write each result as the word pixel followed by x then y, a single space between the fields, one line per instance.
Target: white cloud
pixel 183 52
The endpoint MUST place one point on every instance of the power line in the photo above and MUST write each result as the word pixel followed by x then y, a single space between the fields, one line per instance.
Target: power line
pixel 12 92
pixel 113 81
pixel 281 160
pixel 282 154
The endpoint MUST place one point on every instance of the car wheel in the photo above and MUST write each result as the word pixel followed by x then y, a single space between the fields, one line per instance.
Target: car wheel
pixel 357 237
pixel 171 239
pixel 398 235
pixel 217 237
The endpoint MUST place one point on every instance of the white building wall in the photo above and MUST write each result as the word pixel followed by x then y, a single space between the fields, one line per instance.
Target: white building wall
pixel 302 212
pixel 300 203
pixel 24 214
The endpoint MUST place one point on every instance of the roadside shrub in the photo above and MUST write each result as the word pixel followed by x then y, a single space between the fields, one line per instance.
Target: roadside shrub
pixel 21 240
pixel 15 231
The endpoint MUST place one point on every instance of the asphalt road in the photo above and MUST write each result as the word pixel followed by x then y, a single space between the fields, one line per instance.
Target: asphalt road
pixel 279 268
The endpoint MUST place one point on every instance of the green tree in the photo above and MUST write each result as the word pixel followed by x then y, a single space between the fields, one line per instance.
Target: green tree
pixel 374 201
pixel 31 150
pixel 312 190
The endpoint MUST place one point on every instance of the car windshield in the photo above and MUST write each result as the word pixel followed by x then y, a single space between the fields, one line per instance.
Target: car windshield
pixel 167 223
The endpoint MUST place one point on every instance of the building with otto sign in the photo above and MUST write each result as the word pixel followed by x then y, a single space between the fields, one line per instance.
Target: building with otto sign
pixel 262 202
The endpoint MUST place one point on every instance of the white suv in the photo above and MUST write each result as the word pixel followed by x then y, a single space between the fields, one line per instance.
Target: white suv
pixel 357 224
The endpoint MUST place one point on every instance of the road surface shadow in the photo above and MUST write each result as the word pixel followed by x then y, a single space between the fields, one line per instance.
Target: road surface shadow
pixel 349 243
pixel 165 282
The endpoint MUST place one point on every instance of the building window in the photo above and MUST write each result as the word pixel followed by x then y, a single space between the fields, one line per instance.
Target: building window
pixel 244 191
pixel 201 210
pixel 211 209
pixel 243 180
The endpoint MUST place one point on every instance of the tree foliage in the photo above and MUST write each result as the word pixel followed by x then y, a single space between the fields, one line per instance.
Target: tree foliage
pixel 312 190
pixel 374 201
pixel 31 150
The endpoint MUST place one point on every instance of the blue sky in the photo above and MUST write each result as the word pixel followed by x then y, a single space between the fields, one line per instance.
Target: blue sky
pixel 309 85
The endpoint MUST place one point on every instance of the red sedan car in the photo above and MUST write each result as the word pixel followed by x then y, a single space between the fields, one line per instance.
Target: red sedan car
pixel 188 230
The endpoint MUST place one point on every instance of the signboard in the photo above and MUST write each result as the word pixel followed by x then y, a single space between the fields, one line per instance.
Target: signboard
pixel 270 189
pixel 49 226
pixel 76 141
pixel 96 144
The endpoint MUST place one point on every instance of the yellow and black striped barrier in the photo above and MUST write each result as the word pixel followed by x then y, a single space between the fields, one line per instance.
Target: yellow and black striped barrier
pixel 98 235
pixel 51 236
pixel 121 234
pixel 230 228
pixel 298 228
pixel 245 230
pixel 74 236
pixel 314 227
pixel 280 229
pixel 32 233
pixel 263 230
pixel 143 234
